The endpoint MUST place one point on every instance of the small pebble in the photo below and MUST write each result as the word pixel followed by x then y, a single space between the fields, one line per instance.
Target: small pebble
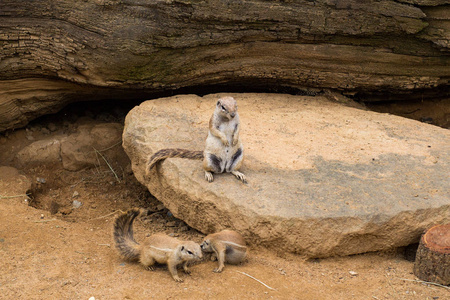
pixel 171 224
pixel 75 194
pixel 353 273
pixel 76 204
pixel 92 298
pixel 42 216
pixel 52 127
pixel 41 180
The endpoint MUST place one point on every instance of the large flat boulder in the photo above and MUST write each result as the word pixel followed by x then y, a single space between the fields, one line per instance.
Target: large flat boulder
pixel 323 178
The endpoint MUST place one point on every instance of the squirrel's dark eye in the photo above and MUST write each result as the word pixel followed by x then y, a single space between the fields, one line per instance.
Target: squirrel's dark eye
pixel 189 252
pixel 223 107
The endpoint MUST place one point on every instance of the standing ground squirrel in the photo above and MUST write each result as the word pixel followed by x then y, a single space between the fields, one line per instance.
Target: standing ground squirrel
pixel 158 248
pixel 223 148
pixel 227 245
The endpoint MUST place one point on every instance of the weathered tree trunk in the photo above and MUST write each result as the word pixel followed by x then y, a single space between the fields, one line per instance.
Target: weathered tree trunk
pixel 54 52
pixel 433 255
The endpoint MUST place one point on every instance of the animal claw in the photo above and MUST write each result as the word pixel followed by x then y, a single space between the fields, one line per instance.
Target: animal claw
pixel 209 176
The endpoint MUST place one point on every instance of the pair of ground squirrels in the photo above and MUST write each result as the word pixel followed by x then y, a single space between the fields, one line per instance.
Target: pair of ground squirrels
pixel 223 151
pixel 228 247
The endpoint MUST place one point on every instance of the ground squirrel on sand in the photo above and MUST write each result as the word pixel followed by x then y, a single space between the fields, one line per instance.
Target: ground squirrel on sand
pixel 228 246
pixel 158 248
pixel 223 148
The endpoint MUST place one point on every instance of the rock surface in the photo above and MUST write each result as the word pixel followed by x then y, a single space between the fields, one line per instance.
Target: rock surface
pixel 89 146
pixel 13 185
pixel 41 152
pixel 57 52
pixel 84 148
pixel 324 179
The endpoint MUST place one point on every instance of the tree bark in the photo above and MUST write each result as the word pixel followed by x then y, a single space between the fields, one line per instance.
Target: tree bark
pixel 433 256
pixel 91 49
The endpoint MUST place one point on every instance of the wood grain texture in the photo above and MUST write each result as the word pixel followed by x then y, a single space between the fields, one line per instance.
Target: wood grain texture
pixel 433 255
pixel 381 47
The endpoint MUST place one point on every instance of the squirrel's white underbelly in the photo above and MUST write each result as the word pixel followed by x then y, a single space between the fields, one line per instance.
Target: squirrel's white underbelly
pixel 225 153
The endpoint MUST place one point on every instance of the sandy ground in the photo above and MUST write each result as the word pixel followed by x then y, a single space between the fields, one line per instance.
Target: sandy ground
pixel 70 254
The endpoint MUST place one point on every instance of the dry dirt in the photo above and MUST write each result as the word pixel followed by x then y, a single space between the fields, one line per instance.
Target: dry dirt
pixel 50 250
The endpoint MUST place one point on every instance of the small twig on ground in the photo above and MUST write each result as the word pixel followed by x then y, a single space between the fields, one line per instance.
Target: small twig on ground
pixel 62 175
pixel 72 184
pixel 123 174
pixel 412 111
pixel 98 161
pixel 106 161
pixel 154 214
pixel 15 196
pixel 257 280
pixel 110 147
pixel 107 215
pixel 108 245
pixel 45 221
pixel 389 281
pixel 427 282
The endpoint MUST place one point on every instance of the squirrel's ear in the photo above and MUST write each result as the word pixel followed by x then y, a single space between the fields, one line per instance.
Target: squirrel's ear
pixel 218 103
pixel 182 248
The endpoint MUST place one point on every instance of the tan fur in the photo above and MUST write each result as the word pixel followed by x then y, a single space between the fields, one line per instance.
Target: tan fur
pixel 227 245
pixel 223 148
pixel 172 153
pixel 158 248
pixel 223 142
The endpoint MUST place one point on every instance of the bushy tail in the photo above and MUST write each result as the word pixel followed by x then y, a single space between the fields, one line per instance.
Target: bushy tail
pixel 123 235
pixel 175 152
